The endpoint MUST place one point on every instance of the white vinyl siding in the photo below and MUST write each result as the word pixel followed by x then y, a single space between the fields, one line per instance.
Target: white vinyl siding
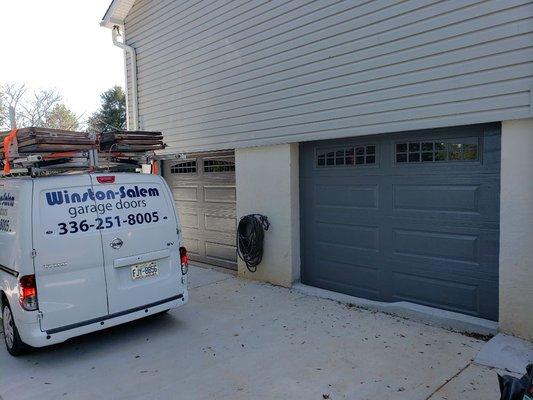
pixel 225 74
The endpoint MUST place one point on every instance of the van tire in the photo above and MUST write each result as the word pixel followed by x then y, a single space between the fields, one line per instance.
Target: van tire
pixel 18 347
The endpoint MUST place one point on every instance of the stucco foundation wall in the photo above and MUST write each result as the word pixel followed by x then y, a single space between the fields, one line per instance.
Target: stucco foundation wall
pixel 267 180
pixel 516 229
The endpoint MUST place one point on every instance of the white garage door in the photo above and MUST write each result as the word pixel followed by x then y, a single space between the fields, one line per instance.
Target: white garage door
pixel 203 186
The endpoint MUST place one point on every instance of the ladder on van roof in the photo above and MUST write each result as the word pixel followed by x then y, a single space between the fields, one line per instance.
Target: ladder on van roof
pixel 43 151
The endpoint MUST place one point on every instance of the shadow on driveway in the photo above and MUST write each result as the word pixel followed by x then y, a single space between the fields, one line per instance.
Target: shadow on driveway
pixel 237 339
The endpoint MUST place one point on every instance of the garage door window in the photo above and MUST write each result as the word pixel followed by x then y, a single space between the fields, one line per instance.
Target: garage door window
pixel 347 156
pixel 219 165
pixel 186 167
pixel 464 149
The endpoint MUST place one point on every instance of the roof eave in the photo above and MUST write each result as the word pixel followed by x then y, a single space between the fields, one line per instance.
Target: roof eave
pixel 111 22
pixel 116 13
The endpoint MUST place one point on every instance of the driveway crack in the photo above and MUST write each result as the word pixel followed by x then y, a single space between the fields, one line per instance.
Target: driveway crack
pixel 211 283
pixel 448 381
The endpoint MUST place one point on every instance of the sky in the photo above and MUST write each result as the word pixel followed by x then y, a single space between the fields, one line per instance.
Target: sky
pixel 59 44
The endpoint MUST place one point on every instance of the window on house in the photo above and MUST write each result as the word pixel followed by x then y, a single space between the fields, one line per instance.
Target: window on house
pixel 347 156
pixel 185 167
pixel 464 149
pixel 219 165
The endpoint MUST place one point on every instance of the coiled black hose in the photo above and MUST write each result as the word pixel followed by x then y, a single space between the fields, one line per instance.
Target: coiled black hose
pixel 250 235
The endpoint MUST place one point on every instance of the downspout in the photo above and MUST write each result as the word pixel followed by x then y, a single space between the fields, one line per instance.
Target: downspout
pixel 133 58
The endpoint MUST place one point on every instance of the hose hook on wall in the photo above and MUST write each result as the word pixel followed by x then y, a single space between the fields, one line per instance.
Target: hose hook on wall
pixel 250 235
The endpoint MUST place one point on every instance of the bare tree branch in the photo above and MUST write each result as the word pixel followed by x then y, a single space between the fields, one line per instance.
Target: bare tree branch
pixel 20 107
pixel 36 111
pixel 3 108
pixel 12 94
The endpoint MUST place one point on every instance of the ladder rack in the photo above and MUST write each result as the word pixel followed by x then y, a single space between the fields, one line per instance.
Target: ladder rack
pixel 81 154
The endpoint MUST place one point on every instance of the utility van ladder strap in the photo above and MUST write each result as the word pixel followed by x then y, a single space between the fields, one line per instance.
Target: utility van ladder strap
pixel 7 142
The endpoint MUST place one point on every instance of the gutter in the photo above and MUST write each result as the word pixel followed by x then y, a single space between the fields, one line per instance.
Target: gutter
pixel 134 99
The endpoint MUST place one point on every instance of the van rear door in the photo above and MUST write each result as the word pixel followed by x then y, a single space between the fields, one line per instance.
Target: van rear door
pixel 68 260
pixel 140 240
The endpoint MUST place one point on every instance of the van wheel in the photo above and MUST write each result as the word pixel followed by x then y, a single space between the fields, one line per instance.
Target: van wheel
pixel 15 346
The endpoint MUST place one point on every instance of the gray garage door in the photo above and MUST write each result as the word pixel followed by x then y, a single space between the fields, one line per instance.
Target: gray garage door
pixel 405 217
pixel 203 186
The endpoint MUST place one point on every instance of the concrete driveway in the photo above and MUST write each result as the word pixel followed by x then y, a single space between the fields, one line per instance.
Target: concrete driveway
pixel 242 340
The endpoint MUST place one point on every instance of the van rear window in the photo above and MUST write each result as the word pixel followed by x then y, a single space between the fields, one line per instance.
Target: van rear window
pixel 78 210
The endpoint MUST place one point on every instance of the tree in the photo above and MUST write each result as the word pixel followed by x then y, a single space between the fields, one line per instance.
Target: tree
pixel 37 110
pixel 42 107
pixel 3 112
pixel 60 117
pixel 10 97
pixel 112 112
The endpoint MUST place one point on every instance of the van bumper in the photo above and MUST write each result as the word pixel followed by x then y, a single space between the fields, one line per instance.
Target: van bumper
pixel 31 333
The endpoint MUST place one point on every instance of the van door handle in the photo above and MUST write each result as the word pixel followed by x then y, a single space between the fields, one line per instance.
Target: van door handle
pixel 116 243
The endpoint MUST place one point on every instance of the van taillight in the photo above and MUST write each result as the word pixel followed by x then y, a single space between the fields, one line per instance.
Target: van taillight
pixel 106 179
pixel 184 260
pixel 28 293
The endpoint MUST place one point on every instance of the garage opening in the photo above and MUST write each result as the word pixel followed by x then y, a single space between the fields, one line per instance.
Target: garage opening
pixel 412 216
pixel 203 186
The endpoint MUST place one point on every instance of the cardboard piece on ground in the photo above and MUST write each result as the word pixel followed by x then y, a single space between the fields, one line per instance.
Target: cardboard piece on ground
pixel 506 352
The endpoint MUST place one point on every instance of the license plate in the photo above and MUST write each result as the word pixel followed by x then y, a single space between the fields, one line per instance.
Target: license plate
pixel 144 270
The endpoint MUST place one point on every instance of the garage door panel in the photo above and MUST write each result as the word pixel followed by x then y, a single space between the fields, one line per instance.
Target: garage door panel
pixel 468 199
pixel 219 244
pixel 352 236
pixel 185 193
pixel 443 269
pixel 429 230
pixel 461 249
pixel 346 215
pixel 192 244
pixel 203 186
pixel 492 148
pixel 431 291
pixel 219 251
pixel 220 223
pixel 447 246
pixel 188 218
pixel 331 275
pixel 488 309
pixel 439 223
pixel 347 195
pixel 352 267
pixel 219 194
pixel 440 198
pixel 348 254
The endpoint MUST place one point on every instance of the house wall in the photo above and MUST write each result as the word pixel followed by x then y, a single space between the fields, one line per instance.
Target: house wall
pixel 237 74
pixel 516 228
pixel 275 194
pixel 230 74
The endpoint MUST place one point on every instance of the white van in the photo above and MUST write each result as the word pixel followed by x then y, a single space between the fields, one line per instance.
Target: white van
pixel 83 252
